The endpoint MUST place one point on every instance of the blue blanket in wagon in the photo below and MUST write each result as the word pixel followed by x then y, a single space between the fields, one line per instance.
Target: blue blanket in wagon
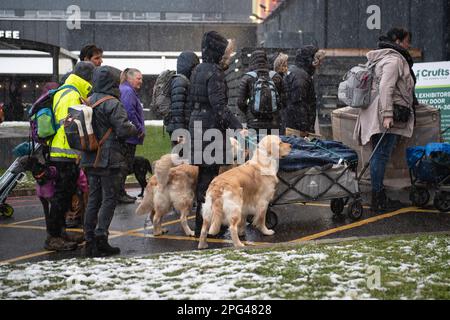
pixel 317 153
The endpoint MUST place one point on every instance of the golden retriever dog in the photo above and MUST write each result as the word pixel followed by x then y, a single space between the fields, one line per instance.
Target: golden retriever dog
pixel 242 191
pixel 173 187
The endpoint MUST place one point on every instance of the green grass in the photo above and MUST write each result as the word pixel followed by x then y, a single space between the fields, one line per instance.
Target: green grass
pixel 156 144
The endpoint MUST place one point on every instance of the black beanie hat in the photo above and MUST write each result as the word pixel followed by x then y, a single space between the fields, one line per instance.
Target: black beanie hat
pixel 213 46
pixel 85 70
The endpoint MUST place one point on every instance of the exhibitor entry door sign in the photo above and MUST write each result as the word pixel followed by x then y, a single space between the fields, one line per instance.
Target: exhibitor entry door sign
pixel 433 88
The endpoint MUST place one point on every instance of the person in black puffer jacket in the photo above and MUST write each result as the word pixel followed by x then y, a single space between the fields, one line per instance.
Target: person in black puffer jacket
pixel 103 168
pixel 260 65
pixel 301 96
pixel 208 94
pixel 180 109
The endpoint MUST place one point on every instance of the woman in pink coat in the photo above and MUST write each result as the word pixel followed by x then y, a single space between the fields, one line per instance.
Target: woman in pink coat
pixel 391 108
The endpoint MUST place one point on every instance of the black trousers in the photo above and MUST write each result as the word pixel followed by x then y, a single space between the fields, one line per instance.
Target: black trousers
pixel 65 187
pixel 129 153
pixel 101 204
pixel 206 174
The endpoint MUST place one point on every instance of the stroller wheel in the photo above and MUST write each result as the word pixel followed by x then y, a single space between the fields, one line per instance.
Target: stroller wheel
pixel 355 210
pixel 271 219
pixel 6 210
pixel 337 206
pixel 442 201
pixel 419 196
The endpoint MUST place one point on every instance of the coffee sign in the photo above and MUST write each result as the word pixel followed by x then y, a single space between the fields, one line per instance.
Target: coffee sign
pixel 10 34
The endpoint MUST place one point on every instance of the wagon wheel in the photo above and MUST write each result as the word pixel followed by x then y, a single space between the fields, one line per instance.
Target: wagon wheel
pixel 355 210
pixel 271 219
pixel 442 201
pixel 6 210
pixel 419 196
pixel 337 206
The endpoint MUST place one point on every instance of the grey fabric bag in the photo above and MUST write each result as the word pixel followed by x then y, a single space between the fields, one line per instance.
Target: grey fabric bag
pixel 355 88
pixel 313 183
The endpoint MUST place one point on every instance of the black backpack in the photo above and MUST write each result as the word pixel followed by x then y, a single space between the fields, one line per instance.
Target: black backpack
pixel 265 97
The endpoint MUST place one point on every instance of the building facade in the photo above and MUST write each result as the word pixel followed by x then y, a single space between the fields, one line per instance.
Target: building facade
pixel 143 34
pixel 358 24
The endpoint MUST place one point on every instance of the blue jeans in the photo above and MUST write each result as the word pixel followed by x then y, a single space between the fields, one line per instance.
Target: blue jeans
pixel 380 158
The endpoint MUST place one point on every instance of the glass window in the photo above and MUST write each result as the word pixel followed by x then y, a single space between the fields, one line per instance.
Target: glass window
pixel 197 16
pixel 139 16
pixel 213 16
pixel 30 14
pixel 44 13
pixel 7 13
pixel 175 16
pixel 58 14
pixel 103 15
pixel 85 15
pixel 115 15
pixel 153 16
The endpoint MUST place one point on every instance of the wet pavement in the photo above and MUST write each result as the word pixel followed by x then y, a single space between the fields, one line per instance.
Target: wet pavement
pixel 22 236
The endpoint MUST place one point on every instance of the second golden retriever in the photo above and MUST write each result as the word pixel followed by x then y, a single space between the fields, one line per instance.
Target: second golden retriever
pixel 172 187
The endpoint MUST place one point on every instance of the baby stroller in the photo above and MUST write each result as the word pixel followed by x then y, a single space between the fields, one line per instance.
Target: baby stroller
pixel 9 180
pixel 429 169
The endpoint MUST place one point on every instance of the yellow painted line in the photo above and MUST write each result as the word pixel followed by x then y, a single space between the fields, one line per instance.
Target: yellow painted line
pixel 311 204
pixel 134 231
pixel 16 226
pixel 22 227
pixel 114 234
pixel 26 221
pixel 184 238
pixel 428 210
pixel 29 256
pixel 356 224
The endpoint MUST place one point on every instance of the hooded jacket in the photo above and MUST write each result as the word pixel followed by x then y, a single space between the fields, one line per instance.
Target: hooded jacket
pixel 260 65
pixel 208 94
pixel 133 106
pixel 180 108
pixel 63 99
pixel 109 114
pixel 393 85
pixel 301 96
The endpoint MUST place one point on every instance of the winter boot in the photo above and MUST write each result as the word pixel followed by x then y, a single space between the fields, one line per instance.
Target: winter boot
pixel 59 244
pixel 103 247
pixel 73 237
pixel 124 199
pixel 90 249
pixel 381 203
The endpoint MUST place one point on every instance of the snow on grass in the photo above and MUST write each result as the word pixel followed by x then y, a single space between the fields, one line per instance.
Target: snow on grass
pixel 414 268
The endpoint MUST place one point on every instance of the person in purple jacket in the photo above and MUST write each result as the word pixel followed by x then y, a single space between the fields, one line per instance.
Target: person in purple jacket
pixel 130 84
